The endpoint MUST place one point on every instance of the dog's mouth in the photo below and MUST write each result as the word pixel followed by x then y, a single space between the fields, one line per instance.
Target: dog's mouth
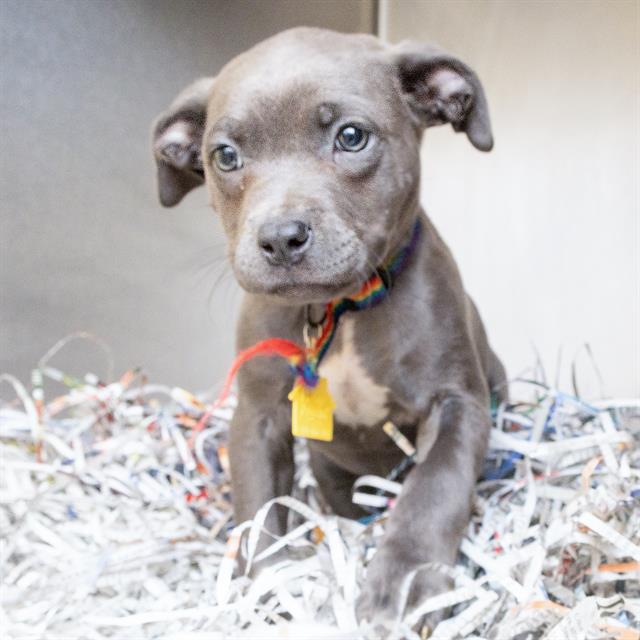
pixel 294 288
pixel 303 291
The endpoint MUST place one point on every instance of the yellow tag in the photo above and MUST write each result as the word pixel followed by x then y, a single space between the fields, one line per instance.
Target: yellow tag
pixel 312 411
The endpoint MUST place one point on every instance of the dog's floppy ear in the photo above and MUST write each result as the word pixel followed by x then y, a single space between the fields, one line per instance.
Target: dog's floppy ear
pixel 440 88
pixel 177 136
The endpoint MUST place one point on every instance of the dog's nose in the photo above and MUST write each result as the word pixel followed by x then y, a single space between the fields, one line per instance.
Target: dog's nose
pixel 284 243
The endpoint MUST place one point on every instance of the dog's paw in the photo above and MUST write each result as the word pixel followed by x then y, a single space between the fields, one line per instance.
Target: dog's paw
pixel 388 598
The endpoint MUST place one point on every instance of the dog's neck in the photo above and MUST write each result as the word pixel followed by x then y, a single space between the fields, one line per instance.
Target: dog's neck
pixel 395 262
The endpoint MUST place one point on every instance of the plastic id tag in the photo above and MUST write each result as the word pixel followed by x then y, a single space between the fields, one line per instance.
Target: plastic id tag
pixel 312 411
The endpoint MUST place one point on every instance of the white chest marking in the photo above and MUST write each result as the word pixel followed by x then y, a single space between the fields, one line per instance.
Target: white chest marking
pixel 359 400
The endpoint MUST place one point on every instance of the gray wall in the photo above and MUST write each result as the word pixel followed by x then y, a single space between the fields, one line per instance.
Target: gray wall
pixel 84 244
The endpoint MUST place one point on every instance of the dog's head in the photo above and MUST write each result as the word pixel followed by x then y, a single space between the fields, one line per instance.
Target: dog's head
pixel 309 146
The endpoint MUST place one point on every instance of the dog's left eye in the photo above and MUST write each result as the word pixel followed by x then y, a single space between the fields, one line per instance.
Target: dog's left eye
pixel 352 138
pixel 227 158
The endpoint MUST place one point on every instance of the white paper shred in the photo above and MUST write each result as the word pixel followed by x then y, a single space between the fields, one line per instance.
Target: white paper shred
pixel 116 522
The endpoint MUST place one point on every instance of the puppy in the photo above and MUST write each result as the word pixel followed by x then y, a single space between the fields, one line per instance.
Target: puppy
pixel 309 145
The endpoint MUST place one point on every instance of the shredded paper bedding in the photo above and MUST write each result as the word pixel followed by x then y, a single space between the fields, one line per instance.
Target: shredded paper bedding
pixel 116 522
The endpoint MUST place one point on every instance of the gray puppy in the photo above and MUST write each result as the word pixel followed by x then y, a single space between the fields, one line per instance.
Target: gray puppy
pixel 309 147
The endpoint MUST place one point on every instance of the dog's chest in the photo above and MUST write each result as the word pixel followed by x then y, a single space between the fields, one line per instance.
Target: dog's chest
pixel 359 400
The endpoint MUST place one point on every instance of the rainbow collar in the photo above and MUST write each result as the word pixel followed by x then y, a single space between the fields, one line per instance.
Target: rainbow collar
pixel 372 292
pixel 305 361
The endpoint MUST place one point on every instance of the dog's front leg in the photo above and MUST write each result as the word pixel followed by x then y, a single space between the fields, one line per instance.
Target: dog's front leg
pixel 433 509
pixel 260 457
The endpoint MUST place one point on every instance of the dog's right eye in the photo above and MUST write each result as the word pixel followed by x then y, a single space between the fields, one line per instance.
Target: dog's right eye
pixel 352 138
pixel 226 158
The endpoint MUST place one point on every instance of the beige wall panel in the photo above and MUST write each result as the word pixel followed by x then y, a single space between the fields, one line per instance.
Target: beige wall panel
pixel 545 227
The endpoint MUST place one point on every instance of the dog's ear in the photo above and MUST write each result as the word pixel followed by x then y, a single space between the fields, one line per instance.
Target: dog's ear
pixel 440 88
pixel 177 137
